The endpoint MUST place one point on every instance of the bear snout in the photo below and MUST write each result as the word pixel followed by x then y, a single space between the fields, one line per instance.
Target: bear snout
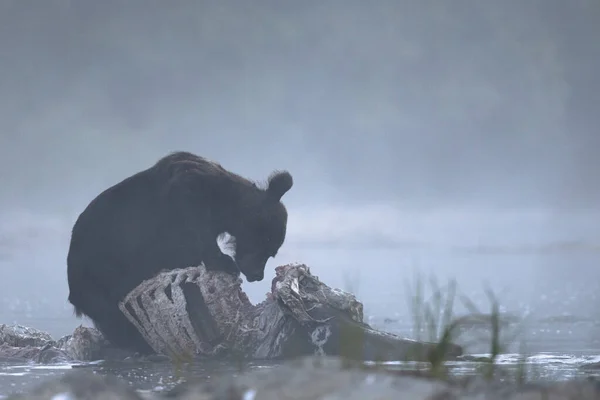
pixel 255 277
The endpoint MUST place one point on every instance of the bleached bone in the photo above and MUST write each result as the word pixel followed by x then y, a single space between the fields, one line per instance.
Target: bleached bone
pixel 164 323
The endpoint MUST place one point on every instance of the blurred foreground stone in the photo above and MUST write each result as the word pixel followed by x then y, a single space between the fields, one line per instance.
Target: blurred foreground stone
pixel 313 378
pixel 81 385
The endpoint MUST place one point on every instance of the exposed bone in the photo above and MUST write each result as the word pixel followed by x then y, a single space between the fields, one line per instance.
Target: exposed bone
pixel 165 323
pixel 301 315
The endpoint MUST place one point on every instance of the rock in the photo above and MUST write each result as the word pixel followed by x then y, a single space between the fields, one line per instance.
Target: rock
pixel 88 344
pixel 18 354
pixel 79 385
pixel 50 354
pixel 23 344
pixel 85 344
pixel 22 336
pixel 47 354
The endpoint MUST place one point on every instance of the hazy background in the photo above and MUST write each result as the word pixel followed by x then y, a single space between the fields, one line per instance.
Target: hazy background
pixel 459 138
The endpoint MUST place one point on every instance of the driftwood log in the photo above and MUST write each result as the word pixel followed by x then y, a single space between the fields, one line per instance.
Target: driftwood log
pixel 193 312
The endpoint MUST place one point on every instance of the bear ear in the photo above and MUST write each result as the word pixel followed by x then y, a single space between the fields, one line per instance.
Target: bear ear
pixel 279 183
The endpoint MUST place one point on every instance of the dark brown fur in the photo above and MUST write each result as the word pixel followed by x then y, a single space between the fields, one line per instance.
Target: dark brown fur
pixel 167 217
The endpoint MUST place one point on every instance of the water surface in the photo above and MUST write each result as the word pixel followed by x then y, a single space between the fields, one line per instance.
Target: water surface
pixel 555 351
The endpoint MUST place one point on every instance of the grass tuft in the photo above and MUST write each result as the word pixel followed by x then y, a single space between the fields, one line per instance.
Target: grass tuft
pixel 434 317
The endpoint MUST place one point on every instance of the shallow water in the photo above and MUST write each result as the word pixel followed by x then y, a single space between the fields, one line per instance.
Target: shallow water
pixel 542 284
pixel 555 351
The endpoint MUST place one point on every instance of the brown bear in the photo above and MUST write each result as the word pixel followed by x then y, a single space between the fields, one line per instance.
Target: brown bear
pixel 169 217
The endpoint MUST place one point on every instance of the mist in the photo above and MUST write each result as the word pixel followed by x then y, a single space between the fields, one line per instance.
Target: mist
pixel 459 139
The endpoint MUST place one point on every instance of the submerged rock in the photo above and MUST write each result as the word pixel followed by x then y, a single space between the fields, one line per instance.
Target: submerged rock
pixel 47 354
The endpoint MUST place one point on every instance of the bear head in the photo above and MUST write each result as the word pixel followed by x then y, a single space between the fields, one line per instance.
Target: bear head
pixel 261 230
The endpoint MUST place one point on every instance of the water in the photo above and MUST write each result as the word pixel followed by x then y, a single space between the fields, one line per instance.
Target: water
pixel 540 284
pixel 555 351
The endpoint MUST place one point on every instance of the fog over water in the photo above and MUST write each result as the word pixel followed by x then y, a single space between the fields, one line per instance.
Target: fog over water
pixel 455 138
